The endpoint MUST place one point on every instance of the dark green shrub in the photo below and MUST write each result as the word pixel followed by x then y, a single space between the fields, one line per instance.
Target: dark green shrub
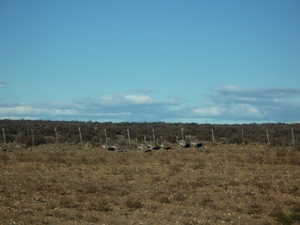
pixel 286 219
pixel 134 204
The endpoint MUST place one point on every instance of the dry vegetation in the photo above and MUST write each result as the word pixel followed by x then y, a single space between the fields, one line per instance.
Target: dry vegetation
pixel 216 184
pixel 23 131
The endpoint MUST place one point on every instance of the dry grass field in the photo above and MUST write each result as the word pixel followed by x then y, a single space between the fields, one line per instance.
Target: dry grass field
pixel 214 184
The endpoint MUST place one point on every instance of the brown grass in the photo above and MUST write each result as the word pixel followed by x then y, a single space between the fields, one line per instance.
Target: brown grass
pixel 216 184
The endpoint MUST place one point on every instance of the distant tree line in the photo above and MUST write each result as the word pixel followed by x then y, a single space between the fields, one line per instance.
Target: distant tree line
pixel 46 131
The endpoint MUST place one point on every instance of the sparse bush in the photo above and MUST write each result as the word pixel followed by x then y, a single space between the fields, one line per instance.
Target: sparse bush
pixel 93 219
pixel 236 139
pixel 164 200
pixel 4 158
pixel 294 158
pixel 276 142
pixel 286 219
pixel 293 189
pixel 281 152
pixel 254 208
pixel 199 165
pixel 57 156
pixel 188 221
pixel 100 205
pixel 88 188
pixel 83 160
pixel 206 201
pixel 296 208
pixel 296 148
pixel 180 196
pixel 22 138
pixel 134 203
pixel 164 161
pixel 39 140
pixel 176 168
pixel 9 138
pixel 196 184
pixel 67 202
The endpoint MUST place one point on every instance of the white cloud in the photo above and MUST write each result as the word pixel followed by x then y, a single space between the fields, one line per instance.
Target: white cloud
pixel 108 107
pixel 139 99
pixel 207 112
pixel 121 99
pixel 231 111
pixel 17 110
pixel 237 93
pixel 256 104
pixel 228 103
pixel 228 89
pixel 29 110
pixel 111 98
pixel 244 110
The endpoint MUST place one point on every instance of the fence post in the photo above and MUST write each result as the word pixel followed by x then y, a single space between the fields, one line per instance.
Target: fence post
pixel 293 136
pixel 4 138
pixel 128 137
pixel 182 134
pixel 80 136
pixel 153 135
pixel 32 137
pixel 213 136
pixel 56 135
pixel 243 136
pixel 105 136
pixel 268 136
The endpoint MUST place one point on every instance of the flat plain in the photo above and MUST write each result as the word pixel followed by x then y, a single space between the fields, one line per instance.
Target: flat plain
pixel 214 184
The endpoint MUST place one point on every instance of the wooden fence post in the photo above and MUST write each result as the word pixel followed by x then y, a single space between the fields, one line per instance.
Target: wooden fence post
pixel 293 136
pixel 243 136
pixel 105 136
pixel 80 136
pixel 128 134
pixel 32 137
pixel 56 137
pixel 153 135
pixel 182 134
pixel 268 136
pixel 213 136
pixel 4 138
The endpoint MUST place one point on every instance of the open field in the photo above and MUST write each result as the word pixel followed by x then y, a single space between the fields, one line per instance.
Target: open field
pixel 214 184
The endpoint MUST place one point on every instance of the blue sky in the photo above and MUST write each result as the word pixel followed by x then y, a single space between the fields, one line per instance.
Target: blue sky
pixel 175 61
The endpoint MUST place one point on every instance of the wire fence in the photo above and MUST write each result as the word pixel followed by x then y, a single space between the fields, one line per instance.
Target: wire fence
pixel 288 136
